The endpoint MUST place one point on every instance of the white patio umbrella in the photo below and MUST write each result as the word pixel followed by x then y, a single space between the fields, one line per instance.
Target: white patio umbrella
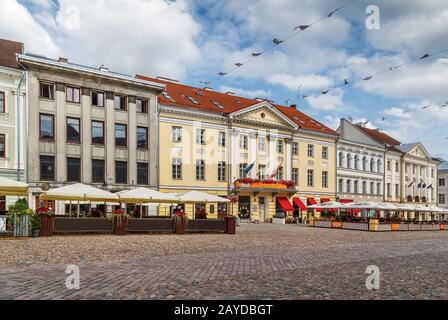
pixel 200 197
pixel 364 205
pixel 329 205
pixel 146 195
pixel 79 192
pixel 9 187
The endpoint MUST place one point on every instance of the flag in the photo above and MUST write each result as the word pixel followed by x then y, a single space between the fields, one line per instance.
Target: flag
pixel 411 184
pixel 419 185
pixel 274 173
pixel 429 187
pixel 248 169
pixel 424 185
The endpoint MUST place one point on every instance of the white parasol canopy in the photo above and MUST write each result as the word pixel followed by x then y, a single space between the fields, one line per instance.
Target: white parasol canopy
pixel 200 197
pixel 79 192
pixel 146 195
pixel 364 205
pixel 329 205
pixel 9 187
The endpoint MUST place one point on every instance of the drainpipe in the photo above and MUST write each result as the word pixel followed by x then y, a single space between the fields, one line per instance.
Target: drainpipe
pixel 19 122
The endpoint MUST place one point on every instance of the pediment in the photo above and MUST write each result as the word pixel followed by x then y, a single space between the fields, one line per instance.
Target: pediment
pixel 263 114
pixel 419 151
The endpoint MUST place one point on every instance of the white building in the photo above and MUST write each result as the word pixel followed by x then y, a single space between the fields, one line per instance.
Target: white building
pixel 442 185
pixel 360 165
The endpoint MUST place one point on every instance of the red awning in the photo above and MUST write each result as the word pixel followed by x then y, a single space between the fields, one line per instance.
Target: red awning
pixel 312 201
pixel 346 200
pixel 285 204
pixel 323 200
pixel 299 203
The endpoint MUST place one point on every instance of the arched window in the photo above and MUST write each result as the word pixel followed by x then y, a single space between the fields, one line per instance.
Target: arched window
pixel 379 166
pixel 356 162
pixel 372 165
pixel 341 159
pixel 356 186
pixel 364 163
pixel 424 199
pixel 378 188
pixel 349 160
pixel 364 187
pixel 417 199
pixel 341 185
pixel 349 186
pixel 409 198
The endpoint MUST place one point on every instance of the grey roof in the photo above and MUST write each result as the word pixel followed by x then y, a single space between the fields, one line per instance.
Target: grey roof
pixel 406 147
pixel 443 165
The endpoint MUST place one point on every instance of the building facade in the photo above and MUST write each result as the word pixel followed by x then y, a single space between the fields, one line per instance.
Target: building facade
pixel 360 160
pixel 89 125
pixel 262 155
pixel 442 183
pixel 410 171
pixel 12 117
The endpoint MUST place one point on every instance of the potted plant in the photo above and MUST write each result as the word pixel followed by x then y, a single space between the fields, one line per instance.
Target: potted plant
pixel 120 220
pixel 290 220
pixel 19 214
pixel 35 225
pixel 180 222
pixel 279 218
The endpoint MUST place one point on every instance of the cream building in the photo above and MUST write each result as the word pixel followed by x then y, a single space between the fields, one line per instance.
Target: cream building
pixel 89 125
pixel 442 183
pixel 12 117
pixel 208 138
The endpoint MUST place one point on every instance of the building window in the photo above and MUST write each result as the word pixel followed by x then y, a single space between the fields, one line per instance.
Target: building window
pixel 341 159
pixel 388 165
pixel 261 172
pixel 261 143
pixel 324 179
pixel 356 187
pixel 2 146
pixel 295 148
pixel 46 90
pixel 73 169
pixel 349 160
pixel 176 134
pixel 340 185
pixel 200 170
pixel 2 102
pixel 47 168
pixel 379 166
pixel 142 173
pixel 397 190
pixel 324 152
pixel 243 142
pixel 73 130
pixel 349 186
pixel 120 103
pixel 356 162
pixel 378 188
pixel 388 191
pixel 441 198
pixel 97 99
pixel 221 139
pixel 121 172
pixel 46 126
pixel 364 163
pixel 397 167
pixel 295 175
pixel 310 150
pixel 310 178
pixel 200 136
pixel 372 188
pixel 141 106
pixel 221 171
pixel 280 146
pixel 176 170
pixel 142 137
pixel 372 165
pixel 364 187
pixel 98 171
pixel 432 173
pixel 441 182
pixel 72 94
pixel 121 138
pixel 280 174
pixel 97 132
pixel 242 167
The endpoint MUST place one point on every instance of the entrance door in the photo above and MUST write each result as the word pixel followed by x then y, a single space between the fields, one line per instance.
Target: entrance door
pixel 244 207
pixel 264 213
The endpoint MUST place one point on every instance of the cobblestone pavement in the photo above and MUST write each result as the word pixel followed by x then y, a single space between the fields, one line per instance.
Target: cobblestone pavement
pixel 412 268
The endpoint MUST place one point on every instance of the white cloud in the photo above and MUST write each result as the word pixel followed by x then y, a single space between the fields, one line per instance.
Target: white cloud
pixel 16 23
pixel 247 93
pixel 308 82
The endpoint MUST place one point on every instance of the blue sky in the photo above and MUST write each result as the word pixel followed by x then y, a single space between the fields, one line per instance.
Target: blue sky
pixel 193 40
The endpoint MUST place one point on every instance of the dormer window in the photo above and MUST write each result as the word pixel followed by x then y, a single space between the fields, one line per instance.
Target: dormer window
pixel 193 100
pixel 217 104
pixel 166 95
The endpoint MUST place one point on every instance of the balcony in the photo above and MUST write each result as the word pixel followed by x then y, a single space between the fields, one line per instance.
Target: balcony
pixel 248 184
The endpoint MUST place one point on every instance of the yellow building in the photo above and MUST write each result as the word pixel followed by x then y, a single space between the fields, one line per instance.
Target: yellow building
pixel 207 139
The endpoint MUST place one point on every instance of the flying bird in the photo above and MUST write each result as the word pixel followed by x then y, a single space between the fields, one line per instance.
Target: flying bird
pixel 367 78
pixel 256 54
pixel 276 41
pixel 222 74
pixel 301 27
pixel 346 82
pixel 425 107
pixel 383 118
pixel 426 55
pixel 305 96
pixel 325 91
pixel 205 82
pixel 238 64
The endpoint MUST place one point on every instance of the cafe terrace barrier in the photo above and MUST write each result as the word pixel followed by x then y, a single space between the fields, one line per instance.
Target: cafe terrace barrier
pixel 376 226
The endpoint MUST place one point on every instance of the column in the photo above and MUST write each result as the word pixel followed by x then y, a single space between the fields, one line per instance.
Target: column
pixel 272 154
pixel 86 132
pixel 288 165
pixel 33 132
pixel 154 151
pixel 253 154
pixel 60 133
pixel 110 138
pixel 233 133
pixel 132 141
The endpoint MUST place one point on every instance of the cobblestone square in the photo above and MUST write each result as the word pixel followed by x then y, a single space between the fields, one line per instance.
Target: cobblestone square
pixel 262 261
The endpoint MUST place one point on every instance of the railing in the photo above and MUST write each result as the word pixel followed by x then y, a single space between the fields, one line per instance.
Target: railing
pixel 150 225
pixel 322 224
pixel 82 225
pixel 355 225
pixel 3 223
pixel 206 225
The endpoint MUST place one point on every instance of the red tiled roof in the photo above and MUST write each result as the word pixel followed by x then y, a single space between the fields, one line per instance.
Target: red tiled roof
pixel 380 136
pixel 8 50
pixel 207 99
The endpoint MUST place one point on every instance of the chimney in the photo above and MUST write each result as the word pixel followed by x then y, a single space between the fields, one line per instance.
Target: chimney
pixel 361 124
pixel 63 60
pixel 293 106
pixel 230 93
pixel 104 68
pixel 207 89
